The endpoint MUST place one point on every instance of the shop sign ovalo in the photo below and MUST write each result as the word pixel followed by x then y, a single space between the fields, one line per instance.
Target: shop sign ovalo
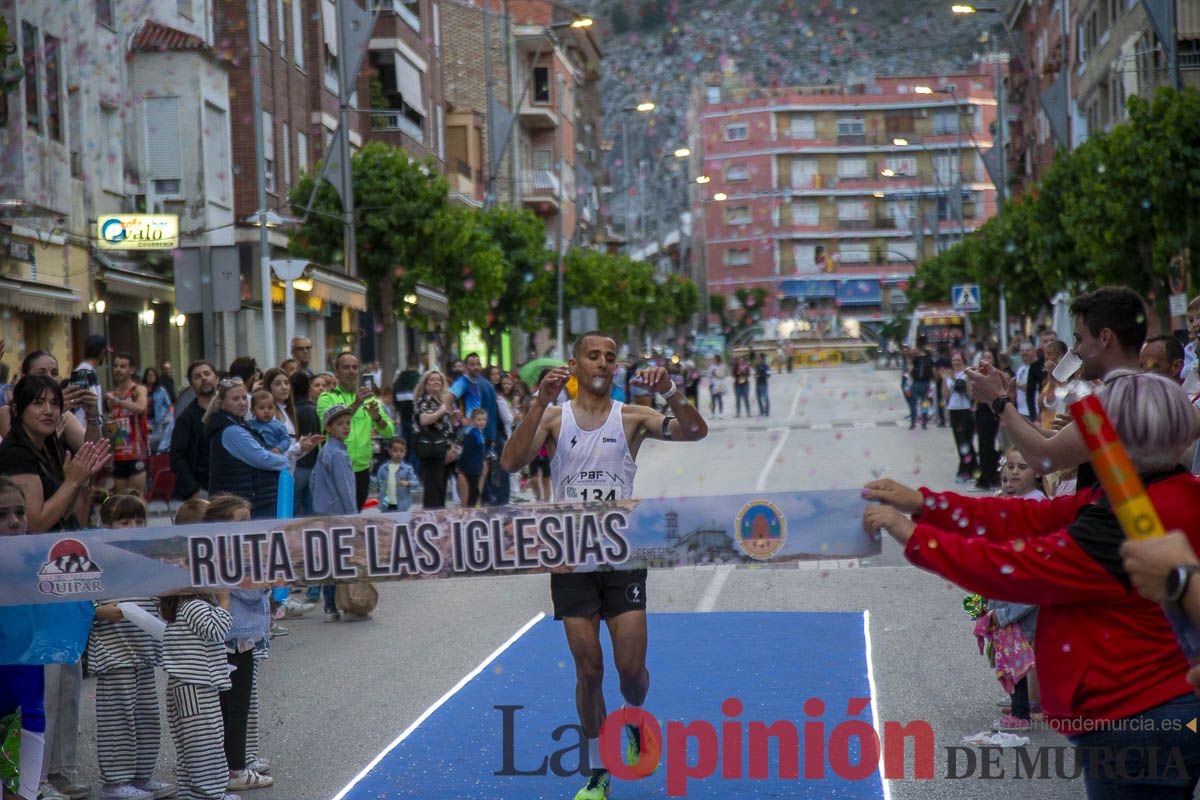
pixel 138 231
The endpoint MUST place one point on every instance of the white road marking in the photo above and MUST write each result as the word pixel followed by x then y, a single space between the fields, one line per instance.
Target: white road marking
pixel 887 787
pixel 439 703
pixel 708 600
pixel 796 399
pixel 864 425
pixel 761 484
pixel 822 426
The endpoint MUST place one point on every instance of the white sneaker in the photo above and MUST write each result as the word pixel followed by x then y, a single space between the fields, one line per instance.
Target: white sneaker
pixel 248 779
pixel 295 607
pixel 333 616
pixel 260 765
pixel 68 783
pixel 159 789
pixel 47 792
pixel 124 791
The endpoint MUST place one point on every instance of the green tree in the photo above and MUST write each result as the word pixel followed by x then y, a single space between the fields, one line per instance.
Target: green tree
pixel 463 261
pixel 526 299
pixel 397 202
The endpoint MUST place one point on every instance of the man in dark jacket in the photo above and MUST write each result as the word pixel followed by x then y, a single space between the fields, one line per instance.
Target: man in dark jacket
pixel 189 448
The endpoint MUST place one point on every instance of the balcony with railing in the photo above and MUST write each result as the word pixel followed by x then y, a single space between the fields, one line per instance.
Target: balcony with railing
pixel 542 186
pixel 466 184
pixel 401 9
pixel 394 120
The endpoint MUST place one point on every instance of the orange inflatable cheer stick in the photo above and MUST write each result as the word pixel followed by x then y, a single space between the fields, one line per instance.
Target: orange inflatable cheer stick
pixel 1127 493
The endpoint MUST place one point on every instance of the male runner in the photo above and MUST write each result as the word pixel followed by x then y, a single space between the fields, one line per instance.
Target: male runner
pixel 593 441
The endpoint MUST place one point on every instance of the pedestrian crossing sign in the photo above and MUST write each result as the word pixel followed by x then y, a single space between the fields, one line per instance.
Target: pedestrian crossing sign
pixel 965 297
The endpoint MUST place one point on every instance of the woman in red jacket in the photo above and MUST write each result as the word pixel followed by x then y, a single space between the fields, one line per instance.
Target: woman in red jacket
pixel 1111 673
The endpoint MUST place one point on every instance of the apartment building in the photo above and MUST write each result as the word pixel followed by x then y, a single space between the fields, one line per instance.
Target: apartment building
pixel 1077 64
pixel 545 82
pixel 123 108
pixel 829 197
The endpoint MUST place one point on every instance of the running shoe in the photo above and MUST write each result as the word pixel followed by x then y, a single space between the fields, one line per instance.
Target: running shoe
pixel 633 747
pixel 598 786
pixel 295 607
pixel 259 764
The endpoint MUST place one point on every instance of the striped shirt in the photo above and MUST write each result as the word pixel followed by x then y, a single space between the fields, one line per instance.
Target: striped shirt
pixel 116 645
pixel 194 644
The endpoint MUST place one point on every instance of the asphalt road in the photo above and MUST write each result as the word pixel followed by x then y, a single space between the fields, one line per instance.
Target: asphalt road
pixel 334 696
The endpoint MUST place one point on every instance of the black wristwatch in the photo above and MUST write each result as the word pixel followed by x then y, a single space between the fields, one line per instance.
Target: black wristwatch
pixel 1177 582
pixel 999 403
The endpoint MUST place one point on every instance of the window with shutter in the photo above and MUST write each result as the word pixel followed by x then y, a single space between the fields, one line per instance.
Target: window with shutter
pixel 301 152
pixel 298 33
pixel 268 125
pixel 110 142
pixel 163 154
pixel 281 28
pixel 286 139
pixel 902 251
pixel 802 126
pixel 216 153
pixel 852 168
pixel 854 252
pixel 806 214
pixel 264 23
pixel 853 209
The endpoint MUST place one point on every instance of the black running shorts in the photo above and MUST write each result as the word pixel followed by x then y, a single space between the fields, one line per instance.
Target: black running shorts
pixel 608 593
pixel 539 466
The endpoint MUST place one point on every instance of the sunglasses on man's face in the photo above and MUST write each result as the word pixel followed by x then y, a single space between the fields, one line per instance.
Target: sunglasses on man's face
pixel 302 348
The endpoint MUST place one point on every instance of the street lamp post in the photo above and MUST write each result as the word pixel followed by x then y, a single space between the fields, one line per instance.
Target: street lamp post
pixel 264 255
pixel 644 107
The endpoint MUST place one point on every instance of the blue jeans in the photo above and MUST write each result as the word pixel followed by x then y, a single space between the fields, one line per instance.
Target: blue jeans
pixel 919 402
pixel 764 399
pixel 1135 764
pixel 741 394
pixel 302 506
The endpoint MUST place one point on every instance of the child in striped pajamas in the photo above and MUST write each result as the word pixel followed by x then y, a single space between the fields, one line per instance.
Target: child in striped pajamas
pixel 197 673
pixel 123 657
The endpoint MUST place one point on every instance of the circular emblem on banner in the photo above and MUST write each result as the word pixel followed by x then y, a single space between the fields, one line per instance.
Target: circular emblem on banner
pixel 761 529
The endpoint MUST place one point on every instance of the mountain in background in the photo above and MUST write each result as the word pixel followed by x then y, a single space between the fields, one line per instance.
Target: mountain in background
pixel 657 49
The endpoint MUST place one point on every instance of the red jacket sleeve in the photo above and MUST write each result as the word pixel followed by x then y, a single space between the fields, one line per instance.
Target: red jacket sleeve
pixel 999 519
pixel 1045 570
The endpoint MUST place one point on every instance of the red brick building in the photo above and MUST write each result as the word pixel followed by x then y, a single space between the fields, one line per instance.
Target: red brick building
pixel 828 197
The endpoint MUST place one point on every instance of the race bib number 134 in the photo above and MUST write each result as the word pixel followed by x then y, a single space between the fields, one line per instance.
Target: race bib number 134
pixel 589 493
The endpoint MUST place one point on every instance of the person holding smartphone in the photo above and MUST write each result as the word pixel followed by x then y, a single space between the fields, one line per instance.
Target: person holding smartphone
pixel 369 418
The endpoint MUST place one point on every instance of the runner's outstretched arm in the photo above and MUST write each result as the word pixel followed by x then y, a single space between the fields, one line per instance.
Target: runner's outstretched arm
pixel 522 447
pixel 687 424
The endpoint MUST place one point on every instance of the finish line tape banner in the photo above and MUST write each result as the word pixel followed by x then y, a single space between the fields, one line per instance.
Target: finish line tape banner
pixel 443 543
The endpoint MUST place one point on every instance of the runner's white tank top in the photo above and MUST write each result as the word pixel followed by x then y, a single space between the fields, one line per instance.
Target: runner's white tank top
pixel 592 466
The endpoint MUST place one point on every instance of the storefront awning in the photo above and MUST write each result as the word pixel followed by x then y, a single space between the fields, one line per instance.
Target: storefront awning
pixel 338 289
pixel 809 289
pixel 859 293
pixel 432 302
pixel 39 299
pixel 130 279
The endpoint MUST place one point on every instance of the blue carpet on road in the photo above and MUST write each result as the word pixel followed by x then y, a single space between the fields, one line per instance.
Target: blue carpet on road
pixel 772 662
